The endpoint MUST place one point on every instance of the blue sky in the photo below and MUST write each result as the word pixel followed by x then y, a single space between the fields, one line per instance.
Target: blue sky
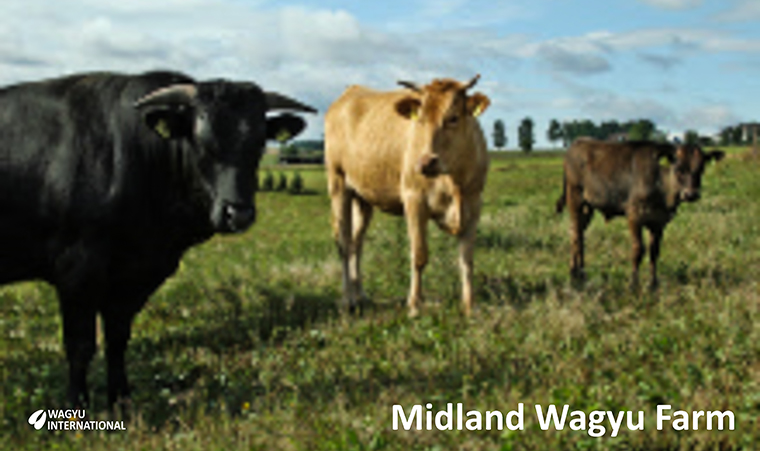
pixel 683 63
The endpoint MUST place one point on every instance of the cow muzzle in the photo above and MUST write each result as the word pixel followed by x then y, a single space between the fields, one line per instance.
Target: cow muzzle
pixel 690 195
pixel 429 165
pixel 236 218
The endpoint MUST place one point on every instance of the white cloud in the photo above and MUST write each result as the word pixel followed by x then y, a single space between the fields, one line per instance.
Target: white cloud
pixel 743 11
pixel 312 53
pixel 674 4
pixel 664 62
pixel 307 52
pixel 707 118
pixel 560 58
pixel 608 106
pixel 601 104
pixel 679 39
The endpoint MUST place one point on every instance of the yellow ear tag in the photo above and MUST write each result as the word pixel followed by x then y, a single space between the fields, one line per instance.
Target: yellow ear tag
pixel 478 110
pixel 413 115
pixel 283 135
pixel 162 128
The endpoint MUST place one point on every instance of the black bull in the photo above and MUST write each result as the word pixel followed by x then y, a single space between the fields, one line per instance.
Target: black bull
pixel 107 179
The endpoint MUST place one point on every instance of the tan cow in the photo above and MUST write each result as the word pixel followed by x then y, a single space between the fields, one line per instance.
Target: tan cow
pixel 419 152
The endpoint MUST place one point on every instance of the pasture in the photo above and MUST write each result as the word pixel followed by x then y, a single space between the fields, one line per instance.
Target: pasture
pixel 244 348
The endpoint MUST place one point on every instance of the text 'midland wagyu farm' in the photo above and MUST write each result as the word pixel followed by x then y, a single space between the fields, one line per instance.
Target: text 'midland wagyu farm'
pixel 595 423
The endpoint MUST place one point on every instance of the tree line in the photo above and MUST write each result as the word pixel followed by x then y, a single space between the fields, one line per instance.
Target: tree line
pixel 566 132
pixel 634 130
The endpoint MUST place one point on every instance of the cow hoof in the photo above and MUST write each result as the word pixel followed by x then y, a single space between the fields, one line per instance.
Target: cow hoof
pixel 414 312
pixel 578 275
pixel 79 401
pixel 346 306
pixel 653 286
pixel 578 279
pixel 357 309
pixel 122 409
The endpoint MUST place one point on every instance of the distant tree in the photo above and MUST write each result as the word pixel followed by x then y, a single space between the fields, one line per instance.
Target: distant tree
pixel 578 128
pixel 705 141
pixel 659 136
pixel 282 182
pixel 554 133
pixel 569 132
pixel 588 129
pixel 726 136
pixel 499 134
pixel 525 135
pixel 635 130
pixel 737 136
pixel 288 151
pixel 296 185
pixel 267 184
pixel 641 130
pixel 691 137
pixel 609 128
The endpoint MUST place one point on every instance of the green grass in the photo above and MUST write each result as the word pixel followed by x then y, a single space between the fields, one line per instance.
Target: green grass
pixel 244 347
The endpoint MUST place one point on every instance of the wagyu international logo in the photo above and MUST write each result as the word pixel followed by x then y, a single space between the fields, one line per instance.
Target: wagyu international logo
pixel 71 420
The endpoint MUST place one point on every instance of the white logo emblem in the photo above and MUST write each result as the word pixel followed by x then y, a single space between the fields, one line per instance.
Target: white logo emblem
pixel 38 419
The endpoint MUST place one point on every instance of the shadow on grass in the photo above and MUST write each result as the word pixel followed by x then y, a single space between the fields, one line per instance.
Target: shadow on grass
pixel 683 274
pixel 495 239
pixel 205 383
pixel 163 370
pixel 303 192
pixel 517 293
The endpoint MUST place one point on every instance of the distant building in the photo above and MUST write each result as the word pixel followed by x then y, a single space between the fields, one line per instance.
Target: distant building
pixel 749 130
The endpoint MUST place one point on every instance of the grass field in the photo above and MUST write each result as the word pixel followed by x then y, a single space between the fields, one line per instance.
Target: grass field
pixel 244 347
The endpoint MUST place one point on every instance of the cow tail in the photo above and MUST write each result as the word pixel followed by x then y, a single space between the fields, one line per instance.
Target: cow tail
pixel 563 197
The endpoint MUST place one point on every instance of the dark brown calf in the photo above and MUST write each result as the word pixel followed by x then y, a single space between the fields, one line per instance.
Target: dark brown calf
pixel 626 179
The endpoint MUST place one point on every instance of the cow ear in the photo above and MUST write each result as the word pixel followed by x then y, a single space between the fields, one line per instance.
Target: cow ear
pixel 409 107
pixel 716 155
pixel 169 123
pixel 284 127
pixel 477 104
pixel 168 111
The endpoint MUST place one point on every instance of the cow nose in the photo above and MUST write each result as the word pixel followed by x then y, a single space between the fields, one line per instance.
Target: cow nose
pixel 690 196
pixel 238 218
pixel 429 165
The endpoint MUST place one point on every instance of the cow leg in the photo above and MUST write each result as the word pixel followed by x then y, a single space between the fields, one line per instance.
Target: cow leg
pixel 580 216
pixel 654 253
pixel 466 251
pixel 584 219
pixel 117 325
pixel 79 342
pixel 340 198
pixel 361 217
pixel 637 251
pixel 416 220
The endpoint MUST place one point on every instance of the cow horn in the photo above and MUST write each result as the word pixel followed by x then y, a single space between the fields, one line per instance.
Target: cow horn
pixel 182 94
pixel 472 82
pixel 277 101
pixel 410 85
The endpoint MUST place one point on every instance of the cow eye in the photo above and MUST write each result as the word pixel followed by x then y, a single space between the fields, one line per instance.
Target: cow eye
pixel 451 121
